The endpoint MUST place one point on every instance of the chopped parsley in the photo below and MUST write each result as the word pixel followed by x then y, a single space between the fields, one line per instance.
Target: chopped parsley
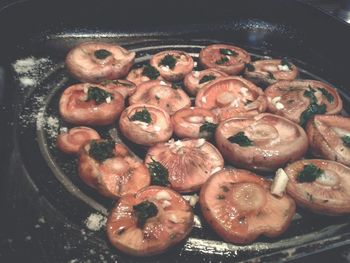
pixel 150 72
pixel 250 67
pixel 222 60
pixel 310 93
pixel 228 52
pixel 159 174
pixel 102 53
pixel 143 211
pixel 285 62
pixel 313 108
pixel 143 116
pixel 327 94
pixel 168 60
pixel 346 140
pixel 208 127
pixel 309 174
pixel 102 150
pixel 240 139
pixel 98 95
pixel 206 78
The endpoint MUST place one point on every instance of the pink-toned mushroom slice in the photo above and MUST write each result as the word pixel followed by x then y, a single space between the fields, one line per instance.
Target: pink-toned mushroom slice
pixel 195 80
pixel 90 104
pixel 96 61
pixel 149 222
pixel 329 137
pixel 162 94
pixel 299 100
pixel 227 58
pixel 145 124
pixel 189 162
pixel 238 205
pixel 124 87
pixel 194 123
pixel 320 185
pixel 263 143
pixel 111 169
pixel 143 74
pixel 232 96
pixel 270 71
pixel 71 140
pixel 172 65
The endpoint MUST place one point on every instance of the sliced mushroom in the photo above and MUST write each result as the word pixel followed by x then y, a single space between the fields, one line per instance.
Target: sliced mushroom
pixel 149 222
pixel 145 124
pixel 143 74
pixel 263 143
pixel 319 185
pixel 231 96
pixel 238 205
pixel 96 61
pixel 226 58
pixel 189 162
pixel 124 87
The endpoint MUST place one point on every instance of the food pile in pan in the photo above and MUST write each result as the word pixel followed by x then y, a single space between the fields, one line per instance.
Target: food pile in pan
pixel 232 118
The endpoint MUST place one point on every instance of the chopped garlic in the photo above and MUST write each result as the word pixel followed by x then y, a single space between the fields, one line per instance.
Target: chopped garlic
pixel 276 99
pixel 204 99
pixel 195 64
pixel 235 103
pixel 163 195
pixel 86 90
pixel 157 128
pixel 162 82
pixel 279 106
pixel 196 74
pixel 216 169
pixel 279 184
pixel 200 142
pixel 166 204
pixel 142 124
pixel 244 90
pixel 193 200
pixel 208 119
pixel 108 99
pixel 165 68
pixel 283 67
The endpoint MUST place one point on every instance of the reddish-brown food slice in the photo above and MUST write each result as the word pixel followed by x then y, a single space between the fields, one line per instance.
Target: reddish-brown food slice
pixel 90 104
pixel 143 74
pixel 264 142
pixel 195 80
pixel 319 185
pixel 124 87
pixel 329 137
pixel 70 141
pixel 145 124
pixel 194 123
pixel 226 58
pixel 238 205
pixel 149 222
pixel 270 71
pixel 111 169
pixel 172 65
pixel 299 100
pixel 96 61
pixel 232 96
pixel 189 162
pixel 162 94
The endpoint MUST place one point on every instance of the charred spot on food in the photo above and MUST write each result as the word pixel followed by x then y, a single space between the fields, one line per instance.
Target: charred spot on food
pixel 102 150
pixel 241 139
pixel 144 211
pixel 157 97
pixel 242 219
pixel 310 197
pixel 220 197
pixel 222 60
pixel 309 174
pixel 250 67
pixel 150 72
pixel 325 201
pixel 168 61
pixel 175 86
pixel 159 173
pixel 208 127
pixel 346 140
pixel 143 116
pixel 247 102
pixel 102 53
pixel 228 52
pixel 327 94
pixel 270 75
pixel 224 188
pixel 206 78
pixel 172 236
pixel 98 95
pixel 290 101
pixel 285 62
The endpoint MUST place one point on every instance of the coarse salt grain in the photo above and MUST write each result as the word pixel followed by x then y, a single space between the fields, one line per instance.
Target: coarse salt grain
pixel 95 221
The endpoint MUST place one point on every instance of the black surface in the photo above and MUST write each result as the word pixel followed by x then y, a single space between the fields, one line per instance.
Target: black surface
pixel 40 220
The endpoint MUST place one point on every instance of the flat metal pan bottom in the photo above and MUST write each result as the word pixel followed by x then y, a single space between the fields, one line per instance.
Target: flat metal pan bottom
pixel 55 174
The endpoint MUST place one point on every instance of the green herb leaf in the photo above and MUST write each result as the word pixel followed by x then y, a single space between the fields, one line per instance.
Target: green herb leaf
pixel 309 174
pixel 327 94
pixel 98 95
pixel 159 174
pixel 228 52
pixel 102 150
pixel 142 115
pixel 150 71
pixel 168 60
pixel 310 93
pixel 208 127
pixel 346 140
pixel 206 78
pixel 143 211
pixel 285 62
pixel 250 67
pixel 240 139
pixel 312 110
pixel 102 53
pixel 222 60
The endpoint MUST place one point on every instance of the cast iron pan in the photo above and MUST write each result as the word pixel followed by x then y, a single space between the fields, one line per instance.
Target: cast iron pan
pixel 44 204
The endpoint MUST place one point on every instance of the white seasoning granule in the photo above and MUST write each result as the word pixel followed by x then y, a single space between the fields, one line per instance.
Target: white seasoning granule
pixel 95 221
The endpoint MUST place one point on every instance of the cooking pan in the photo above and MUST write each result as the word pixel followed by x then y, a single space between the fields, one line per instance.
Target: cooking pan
pixel 45 206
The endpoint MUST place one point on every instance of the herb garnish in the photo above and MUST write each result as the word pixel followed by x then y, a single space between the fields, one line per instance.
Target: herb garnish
pixel 206 78
pixel 222 60
pixel 285 62
pixel 143 211
pixel 168 60
pixel 150 71
pixel 313 108
pixel 309 174
pixel 102 53
pixel 142 115
pixel 175 86
pixel 249 67
pixel 240 139
pixel 208 127
pixel 102 150
pixel 327 94
pixel 346 140
pixel 98 95
pixel 228 52
pixel 159 174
